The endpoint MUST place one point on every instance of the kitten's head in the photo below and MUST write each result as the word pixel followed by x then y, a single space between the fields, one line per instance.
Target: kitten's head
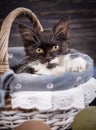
pixel 48 44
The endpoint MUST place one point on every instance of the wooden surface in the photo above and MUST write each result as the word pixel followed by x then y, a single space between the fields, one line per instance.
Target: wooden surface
pixel 82 15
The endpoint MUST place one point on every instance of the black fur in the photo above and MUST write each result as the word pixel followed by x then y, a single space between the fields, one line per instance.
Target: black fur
pixel 57 36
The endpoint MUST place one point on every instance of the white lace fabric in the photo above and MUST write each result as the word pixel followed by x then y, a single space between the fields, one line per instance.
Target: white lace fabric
pixel 77 97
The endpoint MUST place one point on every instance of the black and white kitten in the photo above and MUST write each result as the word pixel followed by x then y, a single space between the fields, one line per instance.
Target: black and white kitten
pixel 48 51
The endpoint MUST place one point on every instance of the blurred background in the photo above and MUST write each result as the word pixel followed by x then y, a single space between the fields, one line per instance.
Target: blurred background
pixel 82 15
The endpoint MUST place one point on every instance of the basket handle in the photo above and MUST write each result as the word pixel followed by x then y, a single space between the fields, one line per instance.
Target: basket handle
pixel 5 32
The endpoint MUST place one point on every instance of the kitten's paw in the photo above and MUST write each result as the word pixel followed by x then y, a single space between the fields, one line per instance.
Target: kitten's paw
pixel 76 65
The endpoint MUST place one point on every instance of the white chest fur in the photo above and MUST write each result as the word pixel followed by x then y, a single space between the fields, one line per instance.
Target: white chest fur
pixel 65 64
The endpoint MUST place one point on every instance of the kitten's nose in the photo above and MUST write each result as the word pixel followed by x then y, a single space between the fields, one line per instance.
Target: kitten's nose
pixel 48 58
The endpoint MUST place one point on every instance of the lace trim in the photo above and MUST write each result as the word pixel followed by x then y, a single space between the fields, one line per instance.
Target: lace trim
pixel 78 97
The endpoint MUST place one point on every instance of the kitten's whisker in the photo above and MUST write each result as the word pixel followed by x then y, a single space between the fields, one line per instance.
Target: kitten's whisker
pixel 56 35
pixel 24 67
pixel 21 68
pixel 38 41
pixel 23 60
pixel 53 38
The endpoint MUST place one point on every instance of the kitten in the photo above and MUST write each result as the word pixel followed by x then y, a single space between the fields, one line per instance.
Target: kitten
pixel 48 51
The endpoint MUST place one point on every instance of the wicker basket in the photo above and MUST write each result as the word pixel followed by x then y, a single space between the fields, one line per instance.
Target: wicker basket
pixel 9 118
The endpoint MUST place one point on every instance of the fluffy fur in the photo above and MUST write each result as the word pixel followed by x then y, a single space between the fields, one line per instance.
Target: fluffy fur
pixel 48 52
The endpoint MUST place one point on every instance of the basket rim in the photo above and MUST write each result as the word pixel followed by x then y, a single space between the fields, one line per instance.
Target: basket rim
pixel 72 79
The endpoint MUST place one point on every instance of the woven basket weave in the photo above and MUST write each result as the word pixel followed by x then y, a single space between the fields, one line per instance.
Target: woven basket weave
pixel 9 118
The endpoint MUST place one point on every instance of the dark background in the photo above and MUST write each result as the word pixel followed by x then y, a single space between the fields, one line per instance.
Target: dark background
pixel 82 15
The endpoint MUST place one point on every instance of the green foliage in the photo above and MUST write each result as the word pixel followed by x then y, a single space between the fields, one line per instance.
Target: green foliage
pixel 85 119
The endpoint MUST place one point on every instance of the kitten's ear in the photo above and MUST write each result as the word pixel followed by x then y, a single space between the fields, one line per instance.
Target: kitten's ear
pixel 62 28
pixel 26 32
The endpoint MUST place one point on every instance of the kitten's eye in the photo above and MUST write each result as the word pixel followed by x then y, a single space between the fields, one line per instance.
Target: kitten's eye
pixel 55 48
pixel 39 50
